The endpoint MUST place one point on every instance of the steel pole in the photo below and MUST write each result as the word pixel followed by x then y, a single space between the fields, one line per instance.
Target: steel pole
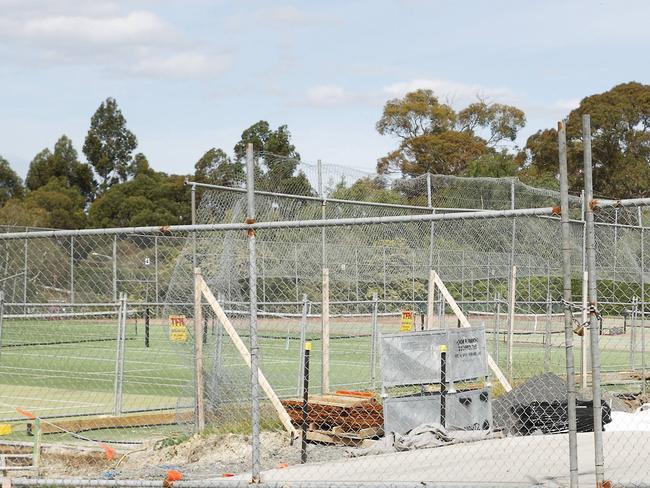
pixel 514 224
pixel 2 315
pixel 155 246
pixel 119 360
pixel 594 334
pixel 193 203
pixel 25 254
pixel 72 269
pixel 114 261
pixel 568 317
pixel 303 338
pixel 252 284
pixel 642 276
pixel 373 341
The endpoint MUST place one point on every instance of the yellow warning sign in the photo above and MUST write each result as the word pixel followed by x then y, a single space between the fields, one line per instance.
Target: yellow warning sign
pixel 177 328
pixel 407 321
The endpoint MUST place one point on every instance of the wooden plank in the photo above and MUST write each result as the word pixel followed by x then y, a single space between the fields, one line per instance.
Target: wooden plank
pixel 245 354
pixel 325 340
pixel 329 438
pixel 334 400
pixel 358 434
pixel 371 432
pixel 465 323
pixel 110 422
pixel 198 353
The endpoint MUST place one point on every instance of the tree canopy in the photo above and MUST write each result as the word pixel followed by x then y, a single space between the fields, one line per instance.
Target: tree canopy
pixel 216 168
pixel 620 122
pixel 279 169
pixel 434 138
pixel 10 183
pixel 150 198
pixel 64 205
pixel 475 141
pixel 62 164
pixel 109 144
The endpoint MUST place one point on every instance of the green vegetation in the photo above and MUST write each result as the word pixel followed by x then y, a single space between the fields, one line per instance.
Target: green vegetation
pixel 78 378
pixel 62 191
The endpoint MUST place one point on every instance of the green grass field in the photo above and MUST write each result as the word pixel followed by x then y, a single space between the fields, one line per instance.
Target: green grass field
pixel 67 368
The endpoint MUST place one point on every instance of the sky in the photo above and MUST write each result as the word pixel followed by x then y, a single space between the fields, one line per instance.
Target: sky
pixel 193 74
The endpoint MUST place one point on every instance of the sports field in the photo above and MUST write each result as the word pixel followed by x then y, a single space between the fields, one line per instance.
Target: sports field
pixel 67 368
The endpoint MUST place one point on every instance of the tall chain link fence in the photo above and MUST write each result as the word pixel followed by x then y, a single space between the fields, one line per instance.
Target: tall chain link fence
pixel 105 345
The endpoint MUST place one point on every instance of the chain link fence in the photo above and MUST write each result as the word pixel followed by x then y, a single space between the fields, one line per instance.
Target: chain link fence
pixel 105 341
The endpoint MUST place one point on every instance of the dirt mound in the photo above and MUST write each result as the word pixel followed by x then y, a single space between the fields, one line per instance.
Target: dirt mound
pixel 199 456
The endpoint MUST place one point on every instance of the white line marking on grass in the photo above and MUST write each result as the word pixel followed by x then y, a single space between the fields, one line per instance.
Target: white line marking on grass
pixel 89 404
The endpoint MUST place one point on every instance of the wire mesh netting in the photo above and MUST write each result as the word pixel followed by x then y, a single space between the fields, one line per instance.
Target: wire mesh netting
pixel 102 341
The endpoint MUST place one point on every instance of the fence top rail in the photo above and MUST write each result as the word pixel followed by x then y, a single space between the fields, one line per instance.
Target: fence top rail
pixel 288 224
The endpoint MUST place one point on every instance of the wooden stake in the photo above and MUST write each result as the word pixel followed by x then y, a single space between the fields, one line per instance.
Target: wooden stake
pixel 465 323
pixel 245 354
pixel 198 352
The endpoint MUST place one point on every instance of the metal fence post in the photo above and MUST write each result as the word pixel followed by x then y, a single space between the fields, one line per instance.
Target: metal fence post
pixel 325 299
pixel 431 225
pixel 193 215
pixel 568 314
pixel 114 267
pixel 514 223
pixel 252 284
pixel 643 384
pixel 303 338
pixel 2 316
pixel 325 333
pixel 511 317
pixel 25 253
pixel 373 342
pixel 119 359
pixel 633 333
pixel 155 246
pixel 216 364
pixel 547 334
pixel 593 303
pixel 497 328
pixel 295 271
pixel 72 269
pixel 584 340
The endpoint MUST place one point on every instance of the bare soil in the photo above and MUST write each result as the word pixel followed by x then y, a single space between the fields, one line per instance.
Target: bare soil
pixel 198 457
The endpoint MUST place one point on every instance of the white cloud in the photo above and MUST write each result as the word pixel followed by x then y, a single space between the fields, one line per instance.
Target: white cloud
pixel 135 27
pixel 42 8
pixel 451 91
pixel 132 43
pixel 183 65
pixel 454 93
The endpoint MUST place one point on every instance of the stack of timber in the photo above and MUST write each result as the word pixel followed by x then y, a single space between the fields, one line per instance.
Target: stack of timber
pixel 347 418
